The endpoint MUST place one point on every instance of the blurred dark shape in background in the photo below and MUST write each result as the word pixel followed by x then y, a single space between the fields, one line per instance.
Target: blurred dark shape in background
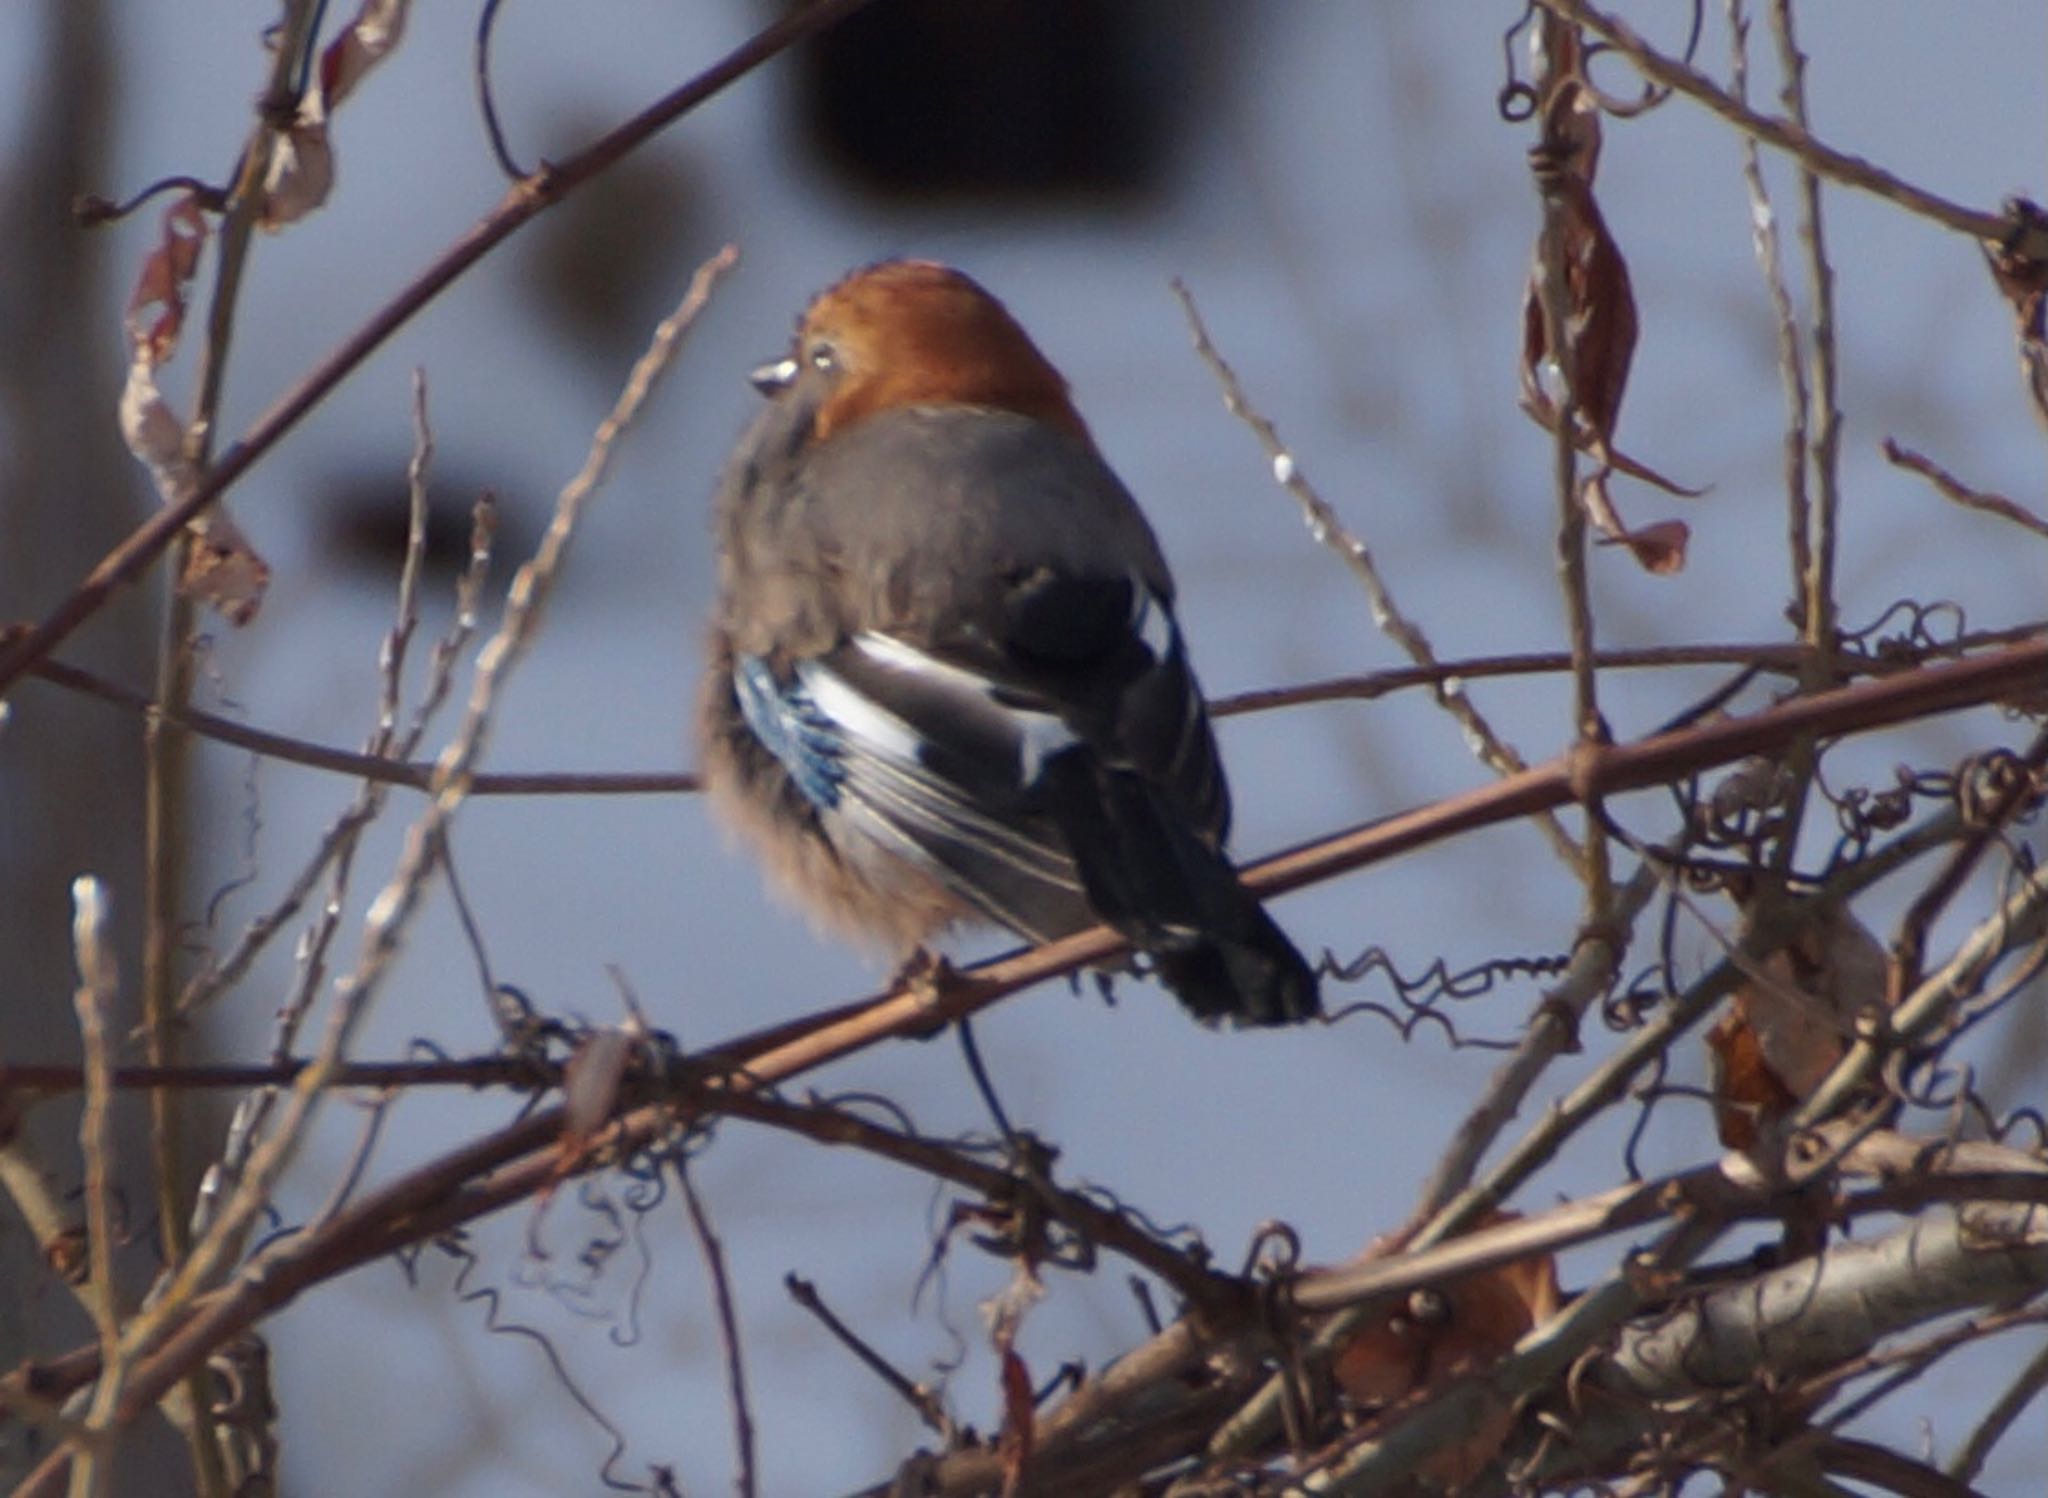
pixel 70 769
pixel 1005 98
pixel 364 514
pixel 600 268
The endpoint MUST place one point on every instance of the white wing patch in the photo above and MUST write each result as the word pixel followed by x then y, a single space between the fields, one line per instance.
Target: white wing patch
pixel 893 801
pixel 1151 623
pixel 1040 735
pixel 867 723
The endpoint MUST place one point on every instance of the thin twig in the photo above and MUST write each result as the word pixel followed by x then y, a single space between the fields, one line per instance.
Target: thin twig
pixel 1763 221
pixel 377 1111
pixel 338 845
pixel 166 841
pixel 1784 135
pixel 391 662
pixel 928 1406
pixel 1817 588
pixel 2011 1403
pixel 1883 1468
pixel 406 774
pixel 1326 526
pixel 334 858
pixel 338 850
pixel 728 1330
pixel 478 1072
pixel 1780 658
pixel 419 774
pixel 97 985
pixel 1910 1363
pixel 167 748
pixel 1949 487
pixel 411 774
pixel 1816 500
pixel 1915 1356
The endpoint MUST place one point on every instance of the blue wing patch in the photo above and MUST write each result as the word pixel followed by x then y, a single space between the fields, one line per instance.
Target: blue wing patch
pixel 792 727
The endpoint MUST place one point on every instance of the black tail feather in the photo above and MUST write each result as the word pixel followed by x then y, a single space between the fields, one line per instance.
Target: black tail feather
pixel 1152 877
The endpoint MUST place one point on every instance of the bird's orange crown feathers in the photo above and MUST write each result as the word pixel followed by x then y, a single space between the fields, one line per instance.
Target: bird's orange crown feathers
pixel 915 332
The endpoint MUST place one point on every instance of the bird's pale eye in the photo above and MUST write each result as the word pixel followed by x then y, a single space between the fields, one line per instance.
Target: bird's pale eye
pixel 821 355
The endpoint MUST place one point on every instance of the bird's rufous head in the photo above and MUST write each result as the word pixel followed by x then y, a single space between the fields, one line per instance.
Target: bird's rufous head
pixel 914 333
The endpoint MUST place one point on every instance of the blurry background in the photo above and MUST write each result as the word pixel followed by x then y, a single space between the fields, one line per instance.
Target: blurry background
pixel 1337 189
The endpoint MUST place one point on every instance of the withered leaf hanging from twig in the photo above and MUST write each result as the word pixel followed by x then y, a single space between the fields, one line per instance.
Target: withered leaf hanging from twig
pixel 1584 362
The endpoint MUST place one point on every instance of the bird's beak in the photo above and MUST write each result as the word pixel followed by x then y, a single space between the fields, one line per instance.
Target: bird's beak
pixel 773 379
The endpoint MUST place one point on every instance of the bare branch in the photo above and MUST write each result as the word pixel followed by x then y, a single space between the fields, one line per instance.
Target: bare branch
pixel 1950 487
pixel 1327 527
pixel 729 1331
pixel 1785 135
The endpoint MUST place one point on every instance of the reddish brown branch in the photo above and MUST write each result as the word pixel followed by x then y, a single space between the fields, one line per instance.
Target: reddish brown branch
pixel 1588 772
pixel 474 1071
pixel 418 774
pixel 521 1160
pixel 415 774
pixel 1951 488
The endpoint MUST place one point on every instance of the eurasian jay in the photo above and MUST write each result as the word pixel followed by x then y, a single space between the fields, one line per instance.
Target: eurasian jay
pixel 945 679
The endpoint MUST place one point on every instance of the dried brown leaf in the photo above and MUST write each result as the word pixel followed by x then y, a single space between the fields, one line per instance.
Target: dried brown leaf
pixel 1621 462
pixel 1448 1332
pixel 1746 1091
pixel 222 570
pixel 1589 356
pixel 1020 1418
pixel 1599 336
pixel 156 307
pixel 150 428
pixel 1659 548
pixel 300 173
pixel 371 37
pixel 1785 1029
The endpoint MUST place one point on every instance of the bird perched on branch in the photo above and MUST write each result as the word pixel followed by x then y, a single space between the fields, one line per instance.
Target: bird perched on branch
pixel 945 679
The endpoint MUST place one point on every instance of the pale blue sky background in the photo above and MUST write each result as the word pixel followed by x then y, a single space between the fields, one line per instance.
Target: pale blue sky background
pixel 1356 222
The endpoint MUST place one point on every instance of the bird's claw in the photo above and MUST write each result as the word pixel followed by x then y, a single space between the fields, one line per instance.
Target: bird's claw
pixel 930 978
